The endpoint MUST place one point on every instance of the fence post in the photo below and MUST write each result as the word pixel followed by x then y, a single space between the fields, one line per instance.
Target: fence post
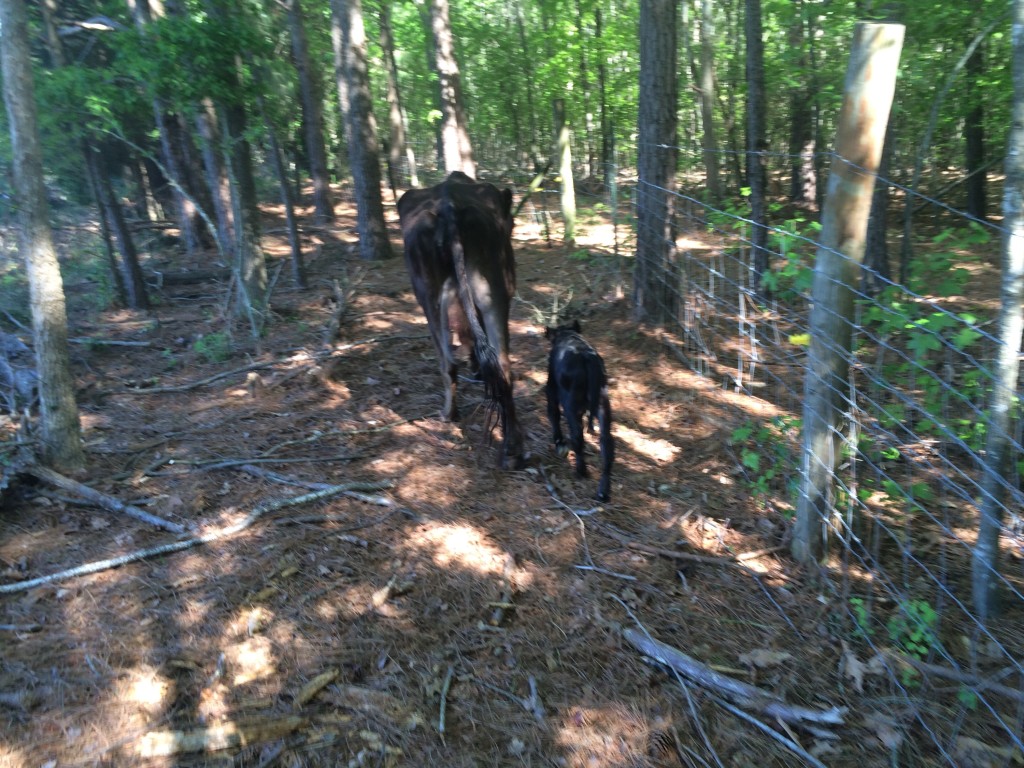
pixel 870 83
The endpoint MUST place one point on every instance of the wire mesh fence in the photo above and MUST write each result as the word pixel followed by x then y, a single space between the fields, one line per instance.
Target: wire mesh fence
pixel 909 474
pixel 908 477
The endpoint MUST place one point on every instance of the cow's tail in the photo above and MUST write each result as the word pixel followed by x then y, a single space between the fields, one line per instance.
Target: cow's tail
pixel 496 383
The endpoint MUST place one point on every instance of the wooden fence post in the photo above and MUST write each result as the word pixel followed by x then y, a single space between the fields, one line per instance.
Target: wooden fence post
pixel 870 84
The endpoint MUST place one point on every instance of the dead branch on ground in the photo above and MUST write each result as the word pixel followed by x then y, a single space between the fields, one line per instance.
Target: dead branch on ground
pixel 217 737
pixel 178 546
pixel 102 500
pixel 744 694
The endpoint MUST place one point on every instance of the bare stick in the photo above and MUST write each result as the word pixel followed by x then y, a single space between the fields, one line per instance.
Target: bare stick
pixel 109 342
pixel 972 681
pixel 744 694
pixel 176 546
pixel 196 384
pixel 100 499
pixel 785 741
pixel 229 735
pixel 444 700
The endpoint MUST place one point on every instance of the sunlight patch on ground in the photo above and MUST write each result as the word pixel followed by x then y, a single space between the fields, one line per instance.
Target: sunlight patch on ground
pixel 145 689
pixel 603 737
pixel 653 448
pixel 461 546
pixel 252 659
pixel 13 758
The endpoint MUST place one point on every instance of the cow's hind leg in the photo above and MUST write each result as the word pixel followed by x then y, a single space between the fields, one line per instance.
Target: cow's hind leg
pixel 449 305
pixel 574 422
pixel 555 418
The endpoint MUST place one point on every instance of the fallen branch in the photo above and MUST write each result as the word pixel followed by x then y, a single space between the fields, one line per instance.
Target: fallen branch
pixel 444 700
pixel 178 546
pixel 967 679
pixel 737 561
pixel 195 384
pixel 217 737
pixel 99 499
pixel 744 694
pixel 94 342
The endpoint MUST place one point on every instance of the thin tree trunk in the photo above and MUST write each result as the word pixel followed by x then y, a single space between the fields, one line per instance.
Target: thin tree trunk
pixel 527 59
pixel 757 144
pixel 655 289
pixel 709 143
pixel 564 156
pixel 877 273
pixel 397 120
pixel 312 115
pixel 364 152
pixel 276 161
pixel 217 177
pixel 588 116
pixel 104 218
pixel 458 151
pixel 607 139
pixel 802 180
pixel 61 439
pixel 131 273
pixel 999 449
pixel 974 135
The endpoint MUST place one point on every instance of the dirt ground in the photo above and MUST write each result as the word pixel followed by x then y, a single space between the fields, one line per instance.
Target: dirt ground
pixel 447 614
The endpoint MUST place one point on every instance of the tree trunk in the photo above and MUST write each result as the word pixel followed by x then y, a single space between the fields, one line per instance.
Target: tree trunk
pixel 655 289
pixel 870 84
pixel 527 59
pixel 276 161
pixel 61 439
pixel 363 150
pixel 250 261
pixel 312 115
pixel 974 135
pixel 588 116
pixel 131 273
pixel 999 448
pixel 709 144
pixel 757 144
pixel 458 152
pixel 564 156
pixel 104 219
pixel 217 177
pixel 183 207
pixel 802 179
pixel 607 138
pixel 396 112
pixel 876 260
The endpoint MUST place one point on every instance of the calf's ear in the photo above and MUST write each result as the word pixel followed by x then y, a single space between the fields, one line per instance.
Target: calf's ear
pixel 549 332
pixel 576 325
pixel 506 201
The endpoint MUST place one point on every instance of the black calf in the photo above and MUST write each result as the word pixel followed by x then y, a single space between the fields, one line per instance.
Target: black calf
pixel 578 384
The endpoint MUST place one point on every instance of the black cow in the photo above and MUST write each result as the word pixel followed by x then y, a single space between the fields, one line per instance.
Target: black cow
pixel 458 248
pixel 577 383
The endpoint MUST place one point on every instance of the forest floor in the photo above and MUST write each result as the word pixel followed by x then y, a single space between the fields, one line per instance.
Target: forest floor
pixel 453 614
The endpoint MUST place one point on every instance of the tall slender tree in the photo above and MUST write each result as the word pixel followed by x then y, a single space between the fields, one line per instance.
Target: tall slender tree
pixel 655 291
pixel 709 143
pixel 397 120
pixel 61 432
pixel 312 114
pixel 363 149
pixel 458 151
pixel 757 142
pixel 998 445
